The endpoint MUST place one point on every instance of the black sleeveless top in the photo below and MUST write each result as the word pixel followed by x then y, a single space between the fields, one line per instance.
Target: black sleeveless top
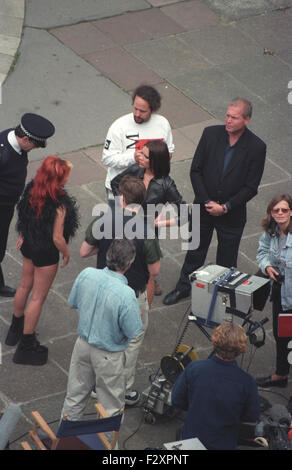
pixel 38 232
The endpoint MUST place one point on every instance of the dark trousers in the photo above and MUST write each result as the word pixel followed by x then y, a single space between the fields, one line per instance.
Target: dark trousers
pixel 227 249
pixel 282 364
pixel 6 214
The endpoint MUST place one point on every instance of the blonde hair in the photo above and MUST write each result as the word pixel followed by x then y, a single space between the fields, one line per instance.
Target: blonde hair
pixel 229 340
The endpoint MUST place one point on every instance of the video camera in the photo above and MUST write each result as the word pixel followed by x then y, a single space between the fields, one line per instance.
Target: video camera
pixel 218 294
pixel 275 428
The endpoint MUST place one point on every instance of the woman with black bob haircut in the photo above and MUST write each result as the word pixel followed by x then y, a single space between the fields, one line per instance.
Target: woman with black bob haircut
pixel 274 258
pixel 152 167
pixel 159 159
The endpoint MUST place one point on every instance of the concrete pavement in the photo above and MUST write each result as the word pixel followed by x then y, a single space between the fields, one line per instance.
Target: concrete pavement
pixel 11 23
pixel 77 64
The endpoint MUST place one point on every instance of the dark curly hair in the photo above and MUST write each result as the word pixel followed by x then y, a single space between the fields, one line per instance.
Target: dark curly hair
pixel 149 94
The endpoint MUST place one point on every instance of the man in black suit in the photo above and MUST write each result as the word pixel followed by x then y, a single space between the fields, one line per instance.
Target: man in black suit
pixel 226 171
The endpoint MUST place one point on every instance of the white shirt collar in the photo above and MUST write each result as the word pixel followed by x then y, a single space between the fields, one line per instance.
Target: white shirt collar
pixel 13 142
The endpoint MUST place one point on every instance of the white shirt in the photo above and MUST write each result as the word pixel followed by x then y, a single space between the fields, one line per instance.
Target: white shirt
pixel 11 137
pixel 125 136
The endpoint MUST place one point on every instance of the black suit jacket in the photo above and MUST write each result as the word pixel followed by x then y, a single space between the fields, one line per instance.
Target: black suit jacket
pixel 242 176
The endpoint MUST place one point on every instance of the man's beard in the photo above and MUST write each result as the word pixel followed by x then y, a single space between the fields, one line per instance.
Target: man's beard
pixel 138 120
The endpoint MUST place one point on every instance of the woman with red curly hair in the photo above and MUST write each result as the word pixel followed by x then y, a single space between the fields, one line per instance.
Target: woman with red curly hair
pixel 47 219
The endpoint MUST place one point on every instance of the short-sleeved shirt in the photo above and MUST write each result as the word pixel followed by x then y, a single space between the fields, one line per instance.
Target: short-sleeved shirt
pixel 108 310
pixel 147 248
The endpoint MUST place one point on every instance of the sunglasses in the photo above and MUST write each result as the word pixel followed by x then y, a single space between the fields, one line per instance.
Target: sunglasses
pixel 285 210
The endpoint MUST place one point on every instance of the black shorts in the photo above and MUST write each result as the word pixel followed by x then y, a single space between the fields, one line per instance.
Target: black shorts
pixel 40 257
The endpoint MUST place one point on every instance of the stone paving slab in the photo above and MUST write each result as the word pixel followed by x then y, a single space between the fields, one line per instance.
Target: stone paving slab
pixel 66 89
pixel 139 26
pixel 160 3
pixel 169 57
pixel 221 45
pixel 83 38
pixel 178 108
pixel 270 76
pixel 191 15
pixel 236 9
pixel 211 89
pixel 12 8
pixel 115 64
pixel 44 14
pixel 5 63
pixel 272 31
pixel 10 25
pixel 11 22
pixel 84 168
pixel 8 44
pixel 269 125
pixel 184 147
pixel 200 59
pixel 194 131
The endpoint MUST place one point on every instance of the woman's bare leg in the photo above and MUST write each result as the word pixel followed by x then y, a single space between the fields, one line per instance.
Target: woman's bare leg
pixel 43 279
pixel 24 288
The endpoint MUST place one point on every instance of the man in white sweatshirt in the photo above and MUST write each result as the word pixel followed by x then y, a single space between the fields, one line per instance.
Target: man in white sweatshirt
pixel 129 133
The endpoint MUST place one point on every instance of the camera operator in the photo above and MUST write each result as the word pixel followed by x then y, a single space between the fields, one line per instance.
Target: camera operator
pixel 217 394
pixel 274 257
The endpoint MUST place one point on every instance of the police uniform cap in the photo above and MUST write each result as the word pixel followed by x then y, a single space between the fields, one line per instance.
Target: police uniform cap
pixel 37 127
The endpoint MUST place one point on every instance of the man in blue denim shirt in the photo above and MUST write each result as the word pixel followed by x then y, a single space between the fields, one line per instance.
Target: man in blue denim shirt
pixel 109 317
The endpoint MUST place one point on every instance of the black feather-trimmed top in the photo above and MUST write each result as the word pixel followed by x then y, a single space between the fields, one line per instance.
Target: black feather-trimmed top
pixel 38 232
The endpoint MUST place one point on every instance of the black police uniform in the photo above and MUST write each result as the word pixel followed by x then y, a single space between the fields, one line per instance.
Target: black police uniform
pixel 13 171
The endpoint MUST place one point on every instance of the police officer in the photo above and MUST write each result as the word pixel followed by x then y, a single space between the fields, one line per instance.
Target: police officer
pixel 32 132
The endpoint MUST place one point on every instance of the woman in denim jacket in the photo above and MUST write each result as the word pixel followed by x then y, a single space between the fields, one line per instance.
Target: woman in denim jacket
pixel 274 257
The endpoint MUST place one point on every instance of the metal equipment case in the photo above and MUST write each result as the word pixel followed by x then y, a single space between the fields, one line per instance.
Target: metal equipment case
pixel 220 293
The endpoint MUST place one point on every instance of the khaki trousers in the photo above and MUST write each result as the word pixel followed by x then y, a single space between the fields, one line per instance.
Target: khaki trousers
pixel 132 351
pixel 91 367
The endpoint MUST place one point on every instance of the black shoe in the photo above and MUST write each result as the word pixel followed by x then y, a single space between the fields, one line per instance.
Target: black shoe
pixel 30 352
pixel 132 397
pixel 174 296
pixel 268 382
pixel 15 331
pixel 6 291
